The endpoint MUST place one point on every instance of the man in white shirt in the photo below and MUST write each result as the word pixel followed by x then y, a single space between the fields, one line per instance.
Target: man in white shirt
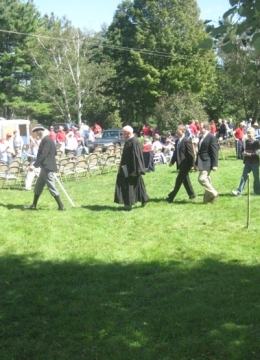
pixel 18 143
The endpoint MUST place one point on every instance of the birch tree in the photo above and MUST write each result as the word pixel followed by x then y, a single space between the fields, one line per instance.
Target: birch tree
pixel 66 56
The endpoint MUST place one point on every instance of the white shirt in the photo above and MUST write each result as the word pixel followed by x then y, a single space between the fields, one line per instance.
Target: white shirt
pixel 156 146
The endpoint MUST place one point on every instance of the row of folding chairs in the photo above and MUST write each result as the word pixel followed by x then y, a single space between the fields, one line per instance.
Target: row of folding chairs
pixel 86 166
pixel 10 174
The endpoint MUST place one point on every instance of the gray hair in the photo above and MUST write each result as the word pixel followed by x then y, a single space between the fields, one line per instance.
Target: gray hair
pixel 128 129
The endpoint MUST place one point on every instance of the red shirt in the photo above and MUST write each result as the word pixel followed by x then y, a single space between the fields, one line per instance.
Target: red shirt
pixel 97 129
pixel 52 135
pixel 213 129
pixel 239 133
pixel 146 131
pixel 61 136
pixel 193 128
pixel 147 148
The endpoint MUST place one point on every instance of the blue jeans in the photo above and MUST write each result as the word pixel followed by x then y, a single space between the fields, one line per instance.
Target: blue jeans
pixel 247 169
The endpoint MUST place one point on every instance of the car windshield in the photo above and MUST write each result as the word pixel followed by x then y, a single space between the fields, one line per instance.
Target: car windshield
pixel 110 134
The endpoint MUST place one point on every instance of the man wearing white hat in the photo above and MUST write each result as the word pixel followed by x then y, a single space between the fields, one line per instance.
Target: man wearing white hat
pixel 47 162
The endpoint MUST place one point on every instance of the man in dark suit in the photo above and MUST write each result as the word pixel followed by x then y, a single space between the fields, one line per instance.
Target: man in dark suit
pixel 47 162
pixel 207 160
pixel 184 157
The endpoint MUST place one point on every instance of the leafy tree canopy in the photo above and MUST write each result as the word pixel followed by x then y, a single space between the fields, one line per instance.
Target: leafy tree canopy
pixel 157 53
pixel 242 20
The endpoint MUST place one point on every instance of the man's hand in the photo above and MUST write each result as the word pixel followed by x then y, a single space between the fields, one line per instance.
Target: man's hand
pixel 214 168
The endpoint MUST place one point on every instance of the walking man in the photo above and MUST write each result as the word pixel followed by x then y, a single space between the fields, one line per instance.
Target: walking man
pixel 130 186
pixel 207 160
pixel 47 162
pixel 184 157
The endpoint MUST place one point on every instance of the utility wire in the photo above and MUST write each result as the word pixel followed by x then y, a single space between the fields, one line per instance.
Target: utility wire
pixel 120 48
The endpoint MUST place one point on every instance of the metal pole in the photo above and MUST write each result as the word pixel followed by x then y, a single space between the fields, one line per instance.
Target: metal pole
pixel 65 192
pixel 248 200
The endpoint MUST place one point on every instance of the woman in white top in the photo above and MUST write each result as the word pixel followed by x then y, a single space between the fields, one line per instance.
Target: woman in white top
pixel 71 143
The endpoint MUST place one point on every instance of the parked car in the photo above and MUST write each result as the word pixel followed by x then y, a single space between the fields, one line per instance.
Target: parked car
pixel 108 137
pixel 66 125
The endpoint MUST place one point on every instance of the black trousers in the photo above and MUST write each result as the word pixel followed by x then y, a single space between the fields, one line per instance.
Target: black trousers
pixel 182 178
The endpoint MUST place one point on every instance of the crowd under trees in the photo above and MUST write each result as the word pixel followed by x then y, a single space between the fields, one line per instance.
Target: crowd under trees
pixel 157 63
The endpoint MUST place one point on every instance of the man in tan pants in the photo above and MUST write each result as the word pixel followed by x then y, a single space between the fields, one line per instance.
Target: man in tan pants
pixel 207 160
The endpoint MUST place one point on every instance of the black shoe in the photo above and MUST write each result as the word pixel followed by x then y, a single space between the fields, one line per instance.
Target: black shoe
pixel 29 207
pixel 144 203
pixel 60 208
pixel 127 208
pixel 192 197
pixel 169 200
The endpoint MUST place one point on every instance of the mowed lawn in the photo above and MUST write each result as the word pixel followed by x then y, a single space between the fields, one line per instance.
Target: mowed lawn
pixel 166 282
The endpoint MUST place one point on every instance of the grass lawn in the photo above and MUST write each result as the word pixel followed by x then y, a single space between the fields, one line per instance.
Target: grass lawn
pixel 166 282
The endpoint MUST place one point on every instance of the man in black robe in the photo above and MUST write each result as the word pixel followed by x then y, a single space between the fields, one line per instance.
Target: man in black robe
pixel 130 186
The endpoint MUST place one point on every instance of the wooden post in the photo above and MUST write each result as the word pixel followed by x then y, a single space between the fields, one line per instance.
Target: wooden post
pixel 248 200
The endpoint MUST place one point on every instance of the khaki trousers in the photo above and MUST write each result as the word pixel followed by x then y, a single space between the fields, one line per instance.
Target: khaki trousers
pixel 205 182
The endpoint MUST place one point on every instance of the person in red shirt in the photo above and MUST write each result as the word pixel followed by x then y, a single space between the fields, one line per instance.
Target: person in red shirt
pixel 97 129
pixel 61 139
pixel 213 128
pixel 146 131
pixel 193 128
pixel 239 135
pixel 52 134
pixel 197 124
pixel 147 145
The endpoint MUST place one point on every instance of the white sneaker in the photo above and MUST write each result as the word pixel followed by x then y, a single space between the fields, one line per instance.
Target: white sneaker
pixel 236 193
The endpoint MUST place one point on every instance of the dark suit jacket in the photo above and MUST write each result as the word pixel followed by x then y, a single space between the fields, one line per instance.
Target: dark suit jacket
pixel 186 154
pixel 207 153
pixel 46 155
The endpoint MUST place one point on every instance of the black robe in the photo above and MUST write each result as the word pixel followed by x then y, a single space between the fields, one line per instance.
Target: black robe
pixel 131 189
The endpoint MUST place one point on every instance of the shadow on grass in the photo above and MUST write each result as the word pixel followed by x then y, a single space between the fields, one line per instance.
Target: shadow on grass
pixel 150 311
pixel 12 206
pixel 100 207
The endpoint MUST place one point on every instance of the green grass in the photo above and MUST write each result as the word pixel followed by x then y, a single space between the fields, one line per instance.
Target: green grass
pixel 168 281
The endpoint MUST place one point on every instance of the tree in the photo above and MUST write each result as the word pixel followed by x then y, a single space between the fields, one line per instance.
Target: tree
pixel 178 109
pixel 157 54
pixel 239 84
pixel 70 70
pixel 241 20
pixel 16 69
